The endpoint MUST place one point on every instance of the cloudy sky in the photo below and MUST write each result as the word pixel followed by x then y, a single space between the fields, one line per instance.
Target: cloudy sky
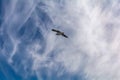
pixel 33 52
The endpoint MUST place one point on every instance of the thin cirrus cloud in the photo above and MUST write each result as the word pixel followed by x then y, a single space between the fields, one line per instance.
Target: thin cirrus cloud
pixel 92 48
pixel 96 36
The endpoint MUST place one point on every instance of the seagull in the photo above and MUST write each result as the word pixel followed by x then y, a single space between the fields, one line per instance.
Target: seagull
pixel 60 33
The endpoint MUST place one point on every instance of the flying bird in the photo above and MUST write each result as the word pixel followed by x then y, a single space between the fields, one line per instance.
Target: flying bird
pixel 60 33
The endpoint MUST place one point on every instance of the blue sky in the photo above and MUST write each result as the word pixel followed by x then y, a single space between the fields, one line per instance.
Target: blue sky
pixel 29 50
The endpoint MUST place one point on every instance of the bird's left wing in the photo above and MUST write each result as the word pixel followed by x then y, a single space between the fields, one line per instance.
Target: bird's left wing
pixel 55 30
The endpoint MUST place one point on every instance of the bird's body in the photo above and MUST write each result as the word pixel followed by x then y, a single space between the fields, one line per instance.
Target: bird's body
pixel 60 33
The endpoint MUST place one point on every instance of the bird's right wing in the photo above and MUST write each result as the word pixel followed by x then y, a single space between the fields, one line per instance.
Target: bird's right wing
pixel 65 36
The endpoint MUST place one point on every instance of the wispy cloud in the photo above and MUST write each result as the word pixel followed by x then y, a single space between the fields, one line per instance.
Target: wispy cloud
pixel 96 35
pixel 92 48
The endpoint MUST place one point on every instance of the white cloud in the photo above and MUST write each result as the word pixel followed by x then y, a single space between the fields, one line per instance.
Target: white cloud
pixel 93 44
pixel 89 21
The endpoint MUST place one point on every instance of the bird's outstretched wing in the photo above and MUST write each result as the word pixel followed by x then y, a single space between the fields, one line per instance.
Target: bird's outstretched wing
pixel 64 35
pixel 55 30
